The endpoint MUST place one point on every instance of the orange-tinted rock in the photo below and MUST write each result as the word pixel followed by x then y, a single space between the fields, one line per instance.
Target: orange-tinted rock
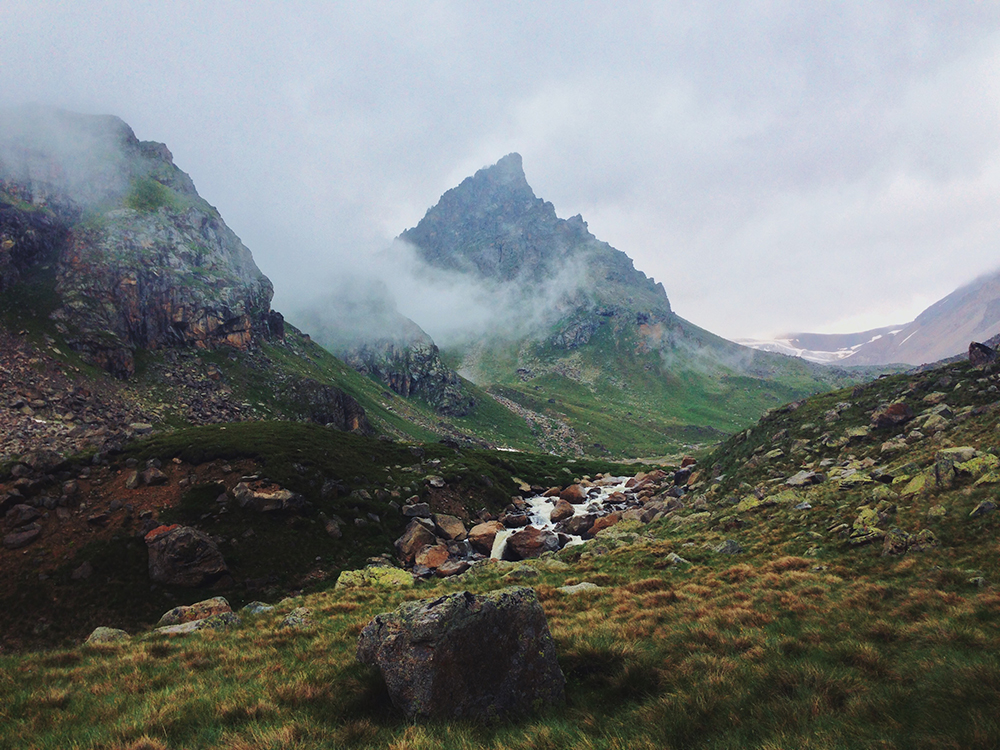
pixel 562 511
pixel 605 522
pixel 482 536
pixel 432 556
pixel 574 494
pixel 415 538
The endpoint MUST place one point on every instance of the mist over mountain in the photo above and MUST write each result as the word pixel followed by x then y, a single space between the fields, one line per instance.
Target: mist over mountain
pixel 555 324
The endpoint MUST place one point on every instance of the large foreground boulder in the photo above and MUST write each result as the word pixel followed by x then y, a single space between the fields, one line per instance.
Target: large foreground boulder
pixel 463 655
pixel 182 556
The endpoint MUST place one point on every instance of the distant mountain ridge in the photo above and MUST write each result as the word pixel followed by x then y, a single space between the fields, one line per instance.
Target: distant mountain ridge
pixel 942 331
pixel 822 348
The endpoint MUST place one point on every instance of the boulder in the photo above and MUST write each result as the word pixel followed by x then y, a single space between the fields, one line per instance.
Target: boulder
pixel 451 568
pixel 981 354
pixel 575 494
pixel 578 588
pixel 945 461
pixel 153 477
pixel 804 478
pixel 22 538
pixel 415 538
pixel 182 556
pixel 432 556
pixel 21 515
pixel 450 527
pixel 220 621
pixel 563 510
pixel 892 415
pixel 515 520
pixel 375 576
pixel 466 656
pixel 728 547
pixel 983 509
pixel 300 617
pixel 417 510
pixel 107 635
pixel 577 525
pixel 267 498
pixel 199 611
pixel 530 542
pixel 605 522
pixel 483 535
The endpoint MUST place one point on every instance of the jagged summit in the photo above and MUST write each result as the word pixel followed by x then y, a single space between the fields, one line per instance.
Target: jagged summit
pixel 493 226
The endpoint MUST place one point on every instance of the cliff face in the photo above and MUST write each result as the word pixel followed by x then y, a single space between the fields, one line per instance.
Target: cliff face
pixel 141 260
pixel 413 369
pixel 362 326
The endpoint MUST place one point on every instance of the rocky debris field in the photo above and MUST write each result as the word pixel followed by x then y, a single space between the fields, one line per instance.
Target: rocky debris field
pixel 49 406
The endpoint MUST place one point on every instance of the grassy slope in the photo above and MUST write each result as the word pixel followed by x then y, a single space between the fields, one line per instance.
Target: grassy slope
pixel 623 401
pixel 802 640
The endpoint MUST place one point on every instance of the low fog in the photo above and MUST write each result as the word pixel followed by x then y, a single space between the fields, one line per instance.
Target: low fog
pixel 786 166
pixel 452 307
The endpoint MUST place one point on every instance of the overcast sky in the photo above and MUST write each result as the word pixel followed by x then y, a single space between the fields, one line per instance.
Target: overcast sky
pixel 778 166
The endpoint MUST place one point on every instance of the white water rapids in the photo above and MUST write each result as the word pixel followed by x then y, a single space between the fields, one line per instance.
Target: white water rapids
pixel 540 509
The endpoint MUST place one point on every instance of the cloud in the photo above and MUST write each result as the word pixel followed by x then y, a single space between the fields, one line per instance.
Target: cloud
pixel 777 165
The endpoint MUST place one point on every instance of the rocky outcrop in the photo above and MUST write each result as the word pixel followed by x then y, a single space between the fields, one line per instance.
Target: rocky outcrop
pixel 981 354
pixel 142 261
pixel 327 405
pixel 27 238
pixel 466 656
pixel 151 280
pixel 412 368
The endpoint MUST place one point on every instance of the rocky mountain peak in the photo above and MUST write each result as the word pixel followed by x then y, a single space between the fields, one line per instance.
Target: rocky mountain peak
pixel 494 227
pixel 140 260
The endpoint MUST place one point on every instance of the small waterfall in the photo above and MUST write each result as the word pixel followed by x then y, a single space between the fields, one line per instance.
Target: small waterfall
pixel 500 543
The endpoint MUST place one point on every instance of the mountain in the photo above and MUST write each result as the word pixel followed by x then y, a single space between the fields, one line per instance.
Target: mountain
pixel 140 260
pixel 942 331
pixel 822 348
pixel 126 300
pixel 945 329
pixel 360 324
pixel 585 346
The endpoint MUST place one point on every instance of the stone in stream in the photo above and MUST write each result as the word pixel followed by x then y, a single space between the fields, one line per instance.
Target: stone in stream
pixel 466 656
pixel 577 525
pixel 530 542
pixel 574 494
pixel 562 511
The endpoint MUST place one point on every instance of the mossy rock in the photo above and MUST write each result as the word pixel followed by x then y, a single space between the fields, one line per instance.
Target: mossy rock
pixel 978 466
pixel 375 577
pixel 915 486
